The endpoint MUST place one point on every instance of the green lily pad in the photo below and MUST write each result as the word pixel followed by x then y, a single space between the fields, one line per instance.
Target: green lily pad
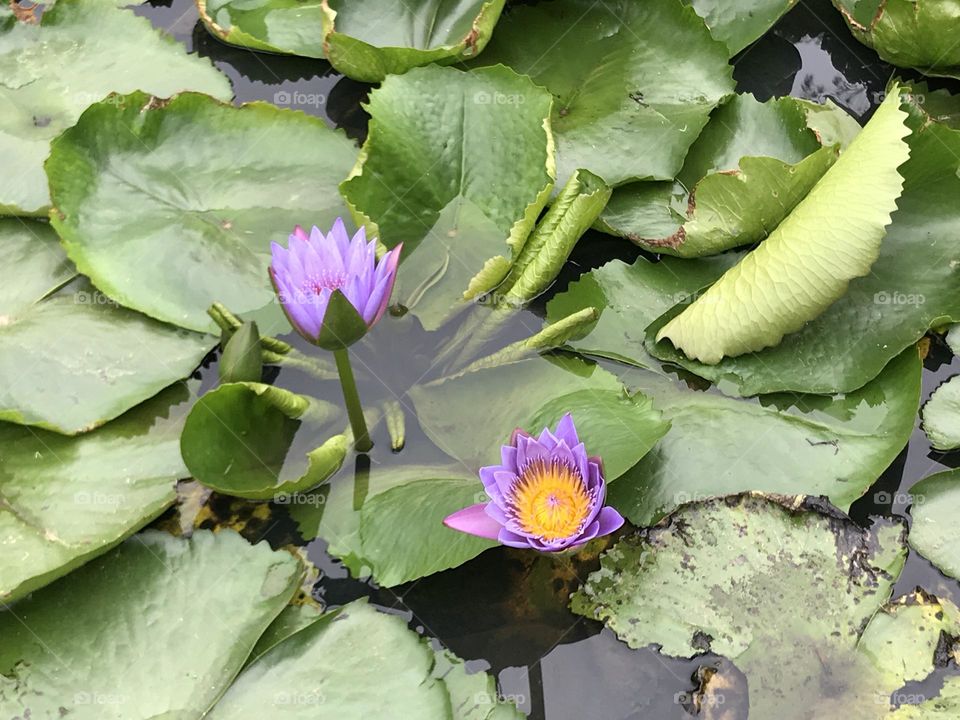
pixel 621 111
pixel 934 533
pixel 909 288
pixel 239 440
pixel 740 24
pixel 65 500
pixel 459 416
pixel 908 33
pixel 208 183
pixel 351 664
pixel 796 274
pixel 79 53
pixel 34 265
pixel 157 628
pixel 290 27
pixel 748 169
pixel 771 583
pixel 941 416
pixel 838 446
pixel 473 696
pixel 370 39
pixel 463 207
pixel 74 360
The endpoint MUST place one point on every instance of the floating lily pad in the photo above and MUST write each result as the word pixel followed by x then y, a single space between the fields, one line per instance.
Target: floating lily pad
pixel 473 696
pixel 459 416
pixel 621 111
pixel 75 360
pixel 427 178
pixel 740 24
pixel 291 27
pixel 797 273
pixel 838 446
pixel 65 500
pixel 934 533
pixel 941 416
pixel 157 628
pixel 239 440
pixel 773 584
pixel 79 53
pixel 169 206
pixel 910 33
pixel 909 288
pixel 370 39
pixel 748 169
pixel 841 444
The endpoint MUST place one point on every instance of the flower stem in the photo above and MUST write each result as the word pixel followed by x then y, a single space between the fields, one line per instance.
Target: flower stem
pixel 351 399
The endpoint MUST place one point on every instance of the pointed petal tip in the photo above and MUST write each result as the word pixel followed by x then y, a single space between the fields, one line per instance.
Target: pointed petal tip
pixel 474 520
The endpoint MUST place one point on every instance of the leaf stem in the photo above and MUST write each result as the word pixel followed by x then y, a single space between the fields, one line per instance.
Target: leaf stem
pixel 351 398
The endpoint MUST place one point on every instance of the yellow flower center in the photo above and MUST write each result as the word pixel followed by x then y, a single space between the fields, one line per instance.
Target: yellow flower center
pixel 550 500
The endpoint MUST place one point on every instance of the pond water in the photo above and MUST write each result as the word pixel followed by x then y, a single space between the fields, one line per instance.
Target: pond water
pixel 506 611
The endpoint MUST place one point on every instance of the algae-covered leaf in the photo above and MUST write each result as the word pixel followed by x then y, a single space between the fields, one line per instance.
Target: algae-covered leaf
pixel 832 236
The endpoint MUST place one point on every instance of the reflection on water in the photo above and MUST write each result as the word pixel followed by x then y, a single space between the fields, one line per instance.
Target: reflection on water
pixel 506 610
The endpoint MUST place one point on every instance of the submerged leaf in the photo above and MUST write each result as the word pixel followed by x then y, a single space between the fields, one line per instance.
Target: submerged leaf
pixel 621 110
pixel 370 39
pixel 79 53
pixel 832 236
pixel 155 204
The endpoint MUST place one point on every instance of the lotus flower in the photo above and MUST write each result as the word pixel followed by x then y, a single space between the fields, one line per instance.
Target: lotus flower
pixel 331 288
pixel 547 494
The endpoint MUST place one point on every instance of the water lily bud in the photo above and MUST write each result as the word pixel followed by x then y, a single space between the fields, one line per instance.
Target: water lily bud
pixel 241 360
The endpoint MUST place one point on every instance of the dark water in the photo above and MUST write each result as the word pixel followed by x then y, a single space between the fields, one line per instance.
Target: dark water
pixel 506 611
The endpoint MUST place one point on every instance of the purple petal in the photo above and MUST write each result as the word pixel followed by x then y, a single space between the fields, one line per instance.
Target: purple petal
pixel 474 520
pixel 338 238
pixel 609 520
pixel 567 431
pixel 390 262
pixel 511 539
pixel 298 234
pixel 508 457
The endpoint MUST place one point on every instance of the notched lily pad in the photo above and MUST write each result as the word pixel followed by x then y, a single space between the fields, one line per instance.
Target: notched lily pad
pixel 80 53
pixel 621 111
pixel 239 440
pixel 370 39
pixel 136 174
pixel 465 209
pixel 941 416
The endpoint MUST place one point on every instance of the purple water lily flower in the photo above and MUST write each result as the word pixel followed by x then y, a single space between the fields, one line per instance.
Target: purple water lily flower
pixel 308 273
pixel 546 494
